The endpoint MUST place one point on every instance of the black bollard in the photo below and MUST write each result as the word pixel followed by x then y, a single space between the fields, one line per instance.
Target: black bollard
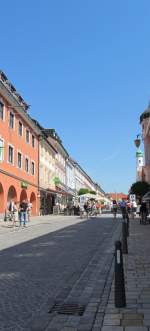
pixel 120 297
pixel 127 218
pixel 124 238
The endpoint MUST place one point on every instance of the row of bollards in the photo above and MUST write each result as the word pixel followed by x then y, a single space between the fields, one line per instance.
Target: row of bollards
pixel 120 249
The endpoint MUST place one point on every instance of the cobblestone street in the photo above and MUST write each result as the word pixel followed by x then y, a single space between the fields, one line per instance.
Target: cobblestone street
pixel 55 260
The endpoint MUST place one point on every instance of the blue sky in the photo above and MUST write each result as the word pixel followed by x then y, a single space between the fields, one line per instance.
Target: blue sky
pixel 84 67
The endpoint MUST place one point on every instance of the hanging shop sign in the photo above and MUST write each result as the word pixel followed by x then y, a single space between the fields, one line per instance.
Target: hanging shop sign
pixel 24 185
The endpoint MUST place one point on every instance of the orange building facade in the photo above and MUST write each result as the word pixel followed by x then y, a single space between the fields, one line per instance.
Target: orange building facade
pixel 19 150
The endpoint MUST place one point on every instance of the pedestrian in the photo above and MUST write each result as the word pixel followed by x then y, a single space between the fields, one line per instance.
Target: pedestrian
pixel 15 213
pixel 94 209
pixel 134 208
pixel 128 207
pixel 123 207
pixel 29 210
pixel 23 212
pixel 10 209
pixel 10 206
pixel 143 213
pixel 98 208
pixel 114 208
pixel 87 208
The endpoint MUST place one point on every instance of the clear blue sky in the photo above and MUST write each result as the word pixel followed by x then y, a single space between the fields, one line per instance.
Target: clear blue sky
pixel 84 67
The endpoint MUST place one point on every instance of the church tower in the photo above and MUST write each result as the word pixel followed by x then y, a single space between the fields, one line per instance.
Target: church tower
pixel 139 165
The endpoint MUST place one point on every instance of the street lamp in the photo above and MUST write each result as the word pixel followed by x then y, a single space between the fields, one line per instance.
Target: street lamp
pixel 137 141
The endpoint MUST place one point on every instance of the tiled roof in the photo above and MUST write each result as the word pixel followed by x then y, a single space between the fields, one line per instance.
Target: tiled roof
pixel 117 196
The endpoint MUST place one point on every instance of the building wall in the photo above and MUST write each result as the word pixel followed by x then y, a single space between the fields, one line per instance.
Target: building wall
pixel 10 137
pixel 70 176
pixel 146 139
pixel 60 163
pixel 61 167
pixel 47 166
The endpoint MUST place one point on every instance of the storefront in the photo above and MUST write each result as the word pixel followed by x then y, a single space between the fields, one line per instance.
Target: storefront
pixel 47 201
pixel 14 189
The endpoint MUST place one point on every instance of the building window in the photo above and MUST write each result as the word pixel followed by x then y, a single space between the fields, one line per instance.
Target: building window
pixel 1 150
pixel 11 120
pixel 20 129
pixel 19 160
pixel 32 168
pixel 33 141
pixel 27 136
pixel 27 164
pixel 1 111
pixel 10 154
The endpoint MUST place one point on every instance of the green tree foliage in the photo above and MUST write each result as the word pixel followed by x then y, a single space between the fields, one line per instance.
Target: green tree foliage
pixel 83 191
pixel 139 188
pixel 92 192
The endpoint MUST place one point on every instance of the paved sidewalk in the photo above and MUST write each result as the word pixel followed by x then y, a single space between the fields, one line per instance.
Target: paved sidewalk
pixel 136 315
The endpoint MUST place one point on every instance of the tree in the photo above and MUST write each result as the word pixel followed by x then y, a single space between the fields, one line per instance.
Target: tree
pixel 92 192
pixel 83 191
pixel 139 188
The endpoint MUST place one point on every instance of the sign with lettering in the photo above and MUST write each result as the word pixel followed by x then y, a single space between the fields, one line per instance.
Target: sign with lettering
pixel 132 197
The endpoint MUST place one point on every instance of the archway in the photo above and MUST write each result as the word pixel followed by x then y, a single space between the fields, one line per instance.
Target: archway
pixel 2 207
pixel 12 194
pixel 23 195
pixel 33 201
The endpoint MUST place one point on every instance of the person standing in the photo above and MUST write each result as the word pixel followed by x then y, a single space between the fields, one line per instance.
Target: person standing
pixel 143 213
pixel 134 208
pixel 15 212
pixel 29 210
pixel 114 208
pixel 123 207
pixel 23 212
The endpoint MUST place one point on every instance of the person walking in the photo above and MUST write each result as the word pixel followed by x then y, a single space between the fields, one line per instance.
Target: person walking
pixel 143 213
pixel 128 207
pixel 87 208
pixel 23 212
pixel 123 207
pixel 114 208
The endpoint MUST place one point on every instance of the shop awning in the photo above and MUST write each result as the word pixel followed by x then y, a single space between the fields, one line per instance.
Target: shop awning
pixel 146 197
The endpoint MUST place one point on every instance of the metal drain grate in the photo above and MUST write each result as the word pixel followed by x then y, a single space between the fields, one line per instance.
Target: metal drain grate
pixel 68 309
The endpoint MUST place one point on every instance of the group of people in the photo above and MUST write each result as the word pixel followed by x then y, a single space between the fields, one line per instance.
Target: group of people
pixel 90 208
pixel 125 206
pixel 128 208
pixel 19 211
